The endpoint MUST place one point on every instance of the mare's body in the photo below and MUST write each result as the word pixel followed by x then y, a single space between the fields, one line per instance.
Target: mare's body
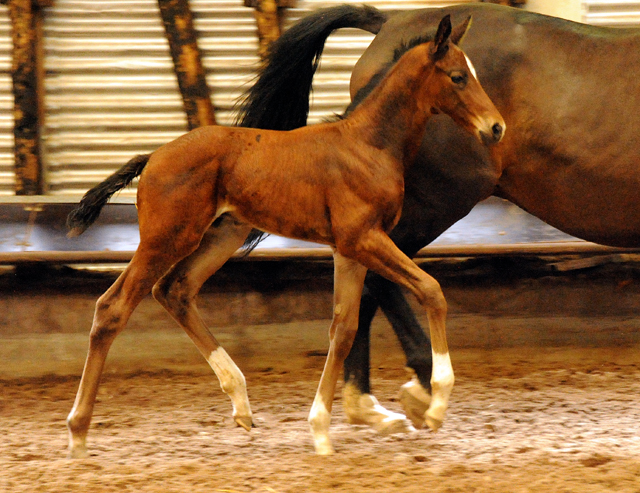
pixel 569 95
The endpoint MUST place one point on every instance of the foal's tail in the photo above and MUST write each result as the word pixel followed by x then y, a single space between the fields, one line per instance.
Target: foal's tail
pixel 88 210
pixel 279 99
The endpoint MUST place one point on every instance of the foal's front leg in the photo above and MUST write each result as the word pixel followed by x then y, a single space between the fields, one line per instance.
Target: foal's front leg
pixel 348 282
pixel 376 251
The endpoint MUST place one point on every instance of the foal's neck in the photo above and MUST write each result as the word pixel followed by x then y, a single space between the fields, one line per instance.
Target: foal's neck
pixel 394 116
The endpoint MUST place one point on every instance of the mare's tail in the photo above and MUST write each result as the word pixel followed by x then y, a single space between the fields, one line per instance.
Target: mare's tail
pixel 279 98
pixel 88 210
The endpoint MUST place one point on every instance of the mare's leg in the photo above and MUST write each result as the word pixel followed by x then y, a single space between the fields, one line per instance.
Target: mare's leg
pixel 177 291
pixel 360 406
pixel 356 366
pixel 414 395
pixel 112 312
pixel 348 282
pixel 411 335
pixel 379 253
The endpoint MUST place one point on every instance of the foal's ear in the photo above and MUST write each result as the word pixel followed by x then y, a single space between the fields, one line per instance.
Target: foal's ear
pixel 440 42
pixel 458 33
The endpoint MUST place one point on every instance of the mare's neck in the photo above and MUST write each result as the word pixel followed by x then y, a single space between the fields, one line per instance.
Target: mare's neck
pixel 394 116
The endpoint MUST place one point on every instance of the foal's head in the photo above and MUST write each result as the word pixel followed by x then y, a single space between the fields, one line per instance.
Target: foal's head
pixel 454 85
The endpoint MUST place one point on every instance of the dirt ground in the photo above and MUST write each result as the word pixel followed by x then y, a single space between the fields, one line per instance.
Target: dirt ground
pixel 520 421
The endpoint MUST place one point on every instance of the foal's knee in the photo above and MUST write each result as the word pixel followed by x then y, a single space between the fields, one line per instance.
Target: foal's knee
pixel 430 296
pixel 344 331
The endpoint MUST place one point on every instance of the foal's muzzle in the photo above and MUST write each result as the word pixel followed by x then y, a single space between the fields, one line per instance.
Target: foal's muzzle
pixel 494 134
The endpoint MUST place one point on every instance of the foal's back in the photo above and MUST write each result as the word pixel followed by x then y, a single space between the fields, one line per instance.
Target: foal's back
pixel 302 183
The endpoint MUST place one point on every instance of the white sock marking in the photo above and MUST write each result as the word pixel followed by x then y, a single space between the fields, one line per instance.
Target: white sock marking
pixel 319 421
pixel 441 385
pixel 232 381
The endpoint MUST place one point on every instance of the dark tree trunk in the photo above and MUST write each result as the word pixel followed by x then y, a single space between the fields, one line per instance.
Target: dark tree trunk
pixel 25 24
pixel 269 18
pixel 178 24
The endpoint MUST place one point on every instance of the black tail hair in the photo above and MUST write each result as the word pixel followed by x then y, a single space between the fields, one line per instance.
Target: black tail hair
pixel 88 210
pixel 279 98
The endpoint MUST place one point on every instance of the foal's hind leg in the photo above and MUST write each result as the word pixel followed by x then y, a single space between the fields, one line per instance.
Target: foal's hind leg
pixel 112 312
pixel 348 282
pixel 177 291
pixel 168 233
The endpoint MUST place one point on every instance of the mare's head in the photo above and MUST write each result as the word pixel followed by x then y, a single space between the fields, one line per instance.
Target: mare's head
pixel 455 89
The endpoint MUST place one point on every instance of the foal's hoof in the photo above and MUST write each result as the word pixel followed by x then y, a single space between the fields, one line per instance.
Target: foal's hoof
pixel 415 401
pixel 324 448
pixel 364 409
pixel 78 453
pixel 245 421
pixel 433 423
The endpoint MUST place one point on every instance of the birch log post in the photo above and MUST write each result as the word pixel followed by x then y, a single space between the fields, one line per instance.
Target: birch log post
pixel 178 23
pixel 26 24
pixel 269 18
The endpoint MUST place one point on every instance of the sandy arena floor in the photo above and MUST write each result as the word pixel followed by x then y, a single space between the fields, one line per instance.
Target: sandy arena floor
pixel 520 421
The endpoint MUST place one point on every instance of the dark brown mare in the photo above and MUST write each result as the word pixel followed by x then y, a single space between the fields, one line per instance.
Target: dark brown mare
pixel 340 184
pixel 569 94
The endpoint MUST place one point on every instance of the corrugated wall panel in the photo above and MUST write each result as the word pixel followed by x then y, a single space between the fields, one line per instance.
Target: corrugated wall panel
pixel 111 91
pixel 616 13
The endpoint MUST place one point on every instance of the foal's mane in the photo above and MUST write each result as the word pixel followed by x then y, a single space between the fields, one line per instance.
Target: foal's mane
pixel 377 78
pixel 407 45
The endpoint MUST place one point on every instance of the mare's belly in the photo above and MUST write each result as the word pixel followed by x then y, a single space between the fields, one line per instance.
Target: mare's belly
pixel 602 209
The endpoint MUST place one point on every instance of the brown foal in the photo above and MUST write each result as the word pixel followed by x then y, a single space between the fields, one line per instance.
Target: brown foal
pixel 340 184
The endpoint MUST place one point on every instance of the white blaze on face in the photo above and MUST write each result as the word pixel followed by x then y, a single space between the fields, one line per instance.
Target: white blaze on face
pixel 472 69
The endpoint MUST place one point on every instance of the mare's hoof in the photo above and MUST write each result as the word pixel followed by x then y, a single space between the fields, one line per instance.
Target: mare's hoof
pixel 415 401
pixel 393 425
pixel 245 421
pixel 364 409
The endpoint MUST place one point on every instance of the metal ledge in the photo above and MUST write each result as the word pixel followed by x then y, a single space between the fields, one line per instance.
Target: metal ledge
pixel 32 230
pixel 324 253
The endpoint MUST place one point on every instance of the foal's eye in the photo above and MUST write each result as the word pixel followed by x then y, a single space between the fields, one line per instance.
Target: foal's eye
pixel 458 79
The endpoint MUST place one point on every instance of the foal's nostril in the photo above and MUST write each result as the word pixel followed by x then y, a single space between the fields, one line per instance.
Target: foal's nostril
pixel 492 135
pixel 497 131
